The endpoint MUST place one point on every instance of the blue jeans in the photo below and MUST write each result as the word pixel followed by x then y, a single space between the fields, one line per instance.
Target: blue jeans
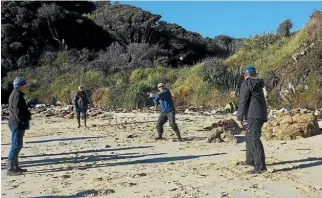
pixel 16 143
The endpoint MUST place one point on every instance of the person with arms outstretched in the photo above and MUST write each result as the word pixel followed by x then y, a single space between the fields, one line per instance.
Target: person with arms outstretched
pixel 164 98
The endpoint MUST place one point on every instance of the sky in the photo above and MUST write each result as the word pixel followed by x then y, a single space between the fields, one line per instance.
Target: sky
pixel 235 19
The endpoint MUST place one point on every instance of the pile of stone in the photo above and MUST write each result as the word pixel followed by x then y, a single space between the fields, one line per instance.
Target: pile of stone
pixel 203 111
pixel 4 112
pixel 223 131
pixel 290 125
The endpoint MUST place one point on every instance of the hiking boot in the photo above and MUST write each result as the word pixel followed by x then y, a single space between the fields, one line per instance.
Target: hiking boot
pixel 255 171
pixel 158 138
pixel 11 171
pixel 17 168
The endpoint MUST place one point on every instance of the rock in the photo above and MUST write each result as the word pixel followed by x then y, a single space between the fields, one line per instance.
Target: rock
pixel 283 110
pixel 213 111
pixel 223 131
pixel 107 146
pixel 304 111
pixel 58 103
pixel 131 136
pixel 291 126
pixel 66 176
pixel 318 113
pixel 139 175
pixel 69 108
pixel 49 114
pixel 94 114
pixel 69 116
pixel 40 106
pixel 235 113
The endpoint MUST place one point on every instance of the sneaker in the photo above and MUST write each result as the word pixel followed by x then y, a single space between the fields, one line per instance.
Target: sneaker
pixel 17 168
pixel 14 173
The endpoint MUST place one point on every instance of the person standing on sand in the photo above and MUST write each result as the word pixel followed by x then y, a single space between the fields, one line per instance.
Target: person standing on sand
pixel 81 105
pixel 164 98
pixel 252 107
pixel 19 118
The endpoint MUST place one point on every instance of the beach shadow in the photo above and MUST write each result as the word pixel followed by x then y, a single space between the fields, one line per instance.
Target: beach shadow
pixel 82 152
pixel 56 140
pixel 61 140
pixel 194 138
pixel 135 162
pixel 316 161
pixel 71 196
pixel 82 159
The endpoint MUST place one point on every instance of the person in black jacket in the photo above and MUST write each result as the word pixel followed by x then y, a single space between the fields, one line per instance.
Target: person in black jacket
pixel 19 118
pixel 81 104
pixel 252 107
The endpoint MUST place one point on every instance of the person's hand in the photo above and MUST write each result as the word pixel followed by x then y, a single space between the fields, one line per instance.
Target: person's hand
pixel 150 95
pixel 233 94
pixel 240 123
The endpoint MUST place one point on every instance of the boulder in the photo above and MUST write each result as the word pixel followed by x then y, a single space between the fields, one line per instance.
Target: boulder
pixel 291 126
pixel 223 131
pixel 69 116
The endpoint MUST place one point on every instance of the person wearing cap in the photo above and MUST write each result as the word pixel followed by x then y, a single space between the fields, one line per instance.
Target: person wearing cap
pixel 81 105
pixel 164 98
pixel 18 122
pixel 252 108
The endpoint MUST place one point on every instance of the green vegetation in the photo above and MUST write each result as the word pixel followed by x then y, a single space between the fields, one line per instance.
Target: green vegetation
pixel 121 52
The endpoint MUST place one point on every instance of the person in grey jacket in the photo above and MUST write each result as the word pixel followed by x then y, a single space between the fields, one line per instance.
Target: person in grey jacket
pixel 252 107
pixel 19 117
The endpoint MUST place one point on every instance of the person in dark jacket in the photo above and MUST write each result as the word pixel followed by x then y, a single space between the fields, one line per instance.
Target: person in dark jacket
pixel 164 98
pixel 252 107
pixel 19 118
pixel 81 105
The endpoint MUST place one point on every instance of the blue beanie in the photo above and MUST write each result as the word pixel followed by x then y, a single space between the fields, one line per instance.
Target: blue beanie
pixel 250 69
pixel 19 81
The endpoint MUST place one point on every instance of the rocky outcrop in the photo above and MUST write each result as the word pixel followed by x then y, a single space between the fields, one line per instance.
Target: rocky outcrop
pixel 291 125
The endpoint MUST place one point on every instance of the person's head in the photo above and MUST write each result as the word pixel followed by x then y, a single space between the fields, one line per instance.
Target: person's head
pixel 249 71
pixel 20 84
pixel 161 86
pixel 81 88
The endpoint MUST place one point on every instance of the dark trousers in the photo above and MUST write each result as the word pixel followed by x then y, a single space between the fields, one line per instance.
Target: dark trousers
pixel 254 148
pixel 163 118
pixel 83 112
pixel 16 143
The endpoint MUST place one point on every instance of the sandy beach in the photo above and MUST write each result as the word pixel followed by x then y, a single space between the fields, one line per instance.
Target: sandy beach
pixel 117 156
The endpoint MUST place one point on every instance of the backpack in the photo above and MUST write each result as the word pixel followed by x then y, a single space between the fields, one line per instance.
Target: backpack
pixel 81 100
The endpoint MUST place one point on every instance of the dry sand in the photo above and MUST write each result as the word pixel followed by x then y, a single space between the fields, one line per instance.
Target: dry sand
pixel 117 157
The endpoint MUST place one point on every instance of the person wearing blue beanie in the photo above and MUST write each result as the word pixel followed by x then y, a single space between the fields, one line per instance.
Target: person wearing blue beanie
pixel 19 118
pixel 252 108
